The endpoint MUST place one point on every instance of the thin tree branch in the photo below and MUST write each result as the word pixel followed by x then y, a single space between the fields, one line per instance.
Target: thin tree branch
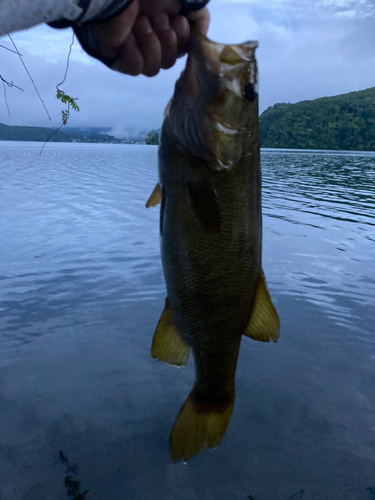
pixel 5 97
pixel 67 64
pixel 48 138
pixel 65 116
pixel 27 71
pixel 10 84
pixel 10 50
pixel 5 85
pixel 66 99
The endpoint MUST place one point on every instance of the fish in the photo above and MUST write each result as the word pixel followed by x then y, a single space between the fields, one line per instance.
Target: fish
pixel 211 234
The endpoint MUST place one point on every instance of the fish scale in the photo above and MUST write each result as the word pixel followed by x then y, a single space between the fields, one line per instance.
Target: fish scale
pixel 211 235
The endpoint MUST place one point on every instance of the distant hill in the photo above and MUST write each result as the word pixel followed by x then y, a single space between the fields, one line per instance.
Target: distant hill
pixel 41 134
pixel 344 122
pixel 152 138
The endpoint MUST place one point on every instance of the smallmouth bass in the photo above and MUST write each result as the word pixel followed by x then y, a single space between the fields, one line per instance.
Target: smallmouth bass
pixel 211 234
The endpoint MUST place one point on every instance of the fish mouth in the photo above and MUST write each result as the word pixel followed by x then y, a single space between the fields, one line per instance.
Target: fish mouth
pixel 215 100
pixel 216 54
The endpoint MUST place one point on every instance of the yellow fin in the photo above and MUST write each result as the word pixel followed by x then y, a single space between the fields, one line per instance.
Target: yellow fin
pixel 155 197
pixel 264 323
pixel 167 344
pixel 196 430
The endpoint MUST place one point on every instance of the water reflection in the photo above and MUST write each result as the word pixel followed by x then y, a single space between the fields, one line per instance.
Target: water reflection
pixel 328 256
pixel 81 291
pixel 77 233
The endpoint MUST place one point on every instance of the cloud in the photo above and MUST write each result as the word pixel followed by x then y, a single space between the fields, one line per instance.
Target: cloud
pixel 307 49
pixel 105 98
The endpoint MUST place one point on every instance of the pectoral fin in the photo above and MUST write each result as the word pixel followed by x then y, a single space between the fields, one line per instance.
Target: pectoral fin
pixel 167 344
pixel 264 323
pixel 155 197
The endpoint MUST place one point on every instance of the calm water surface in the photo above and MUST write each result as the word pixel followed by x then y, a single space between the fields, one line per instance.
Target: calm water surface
pixel 81 291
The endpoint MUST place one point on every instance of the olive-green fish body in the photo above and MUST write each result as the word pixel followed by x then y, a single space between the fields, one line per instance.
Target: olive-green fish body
pixel 211 235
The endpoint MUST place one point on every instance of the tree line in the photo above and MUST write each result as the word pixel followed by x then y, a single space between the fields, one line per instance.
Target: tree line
pixel 345 122
pixel 342 122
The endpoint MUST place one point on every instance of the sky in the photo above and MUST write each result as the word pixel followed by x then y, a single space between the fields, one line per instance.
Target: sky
pixel 307 49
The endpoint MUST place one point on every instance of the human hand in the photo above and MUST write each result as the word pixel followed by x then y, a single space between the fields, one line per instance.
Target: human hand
pixel 146 37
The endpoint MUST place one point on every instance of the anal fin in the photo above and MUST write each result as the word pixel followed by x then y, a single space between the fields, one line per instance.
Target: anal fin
pixel 264 323
pixel 167 343
pixel 155 197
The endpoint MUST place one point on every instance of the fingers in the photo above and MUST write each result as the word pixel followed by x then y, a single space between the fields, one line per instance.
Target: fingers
pixel 111 35
pixel 149 45
pixel 167 39
pixel 151 8
pixel 143 42
pixel 129 58
pixel 181 27
pixel 200 20
pixel 153 44
pixel 161 40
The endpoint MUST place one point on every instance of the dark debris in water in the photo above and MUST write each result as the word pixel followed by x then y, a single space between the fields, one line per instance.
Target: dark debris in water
pixel 300 494
pixel 295 496
pixel 72 484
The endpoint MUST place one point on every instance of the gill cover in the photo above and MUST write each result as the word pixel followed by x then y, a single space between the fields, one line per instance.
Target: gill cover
pixel 215 100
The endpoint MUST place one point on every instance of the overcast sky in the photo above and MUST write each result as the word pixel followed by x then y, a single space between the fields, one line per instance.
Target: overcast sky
pixel 307 49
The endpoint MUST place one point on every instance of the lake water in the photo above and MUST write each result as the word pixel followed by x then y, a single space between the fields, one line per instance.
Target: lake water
pixel 81 291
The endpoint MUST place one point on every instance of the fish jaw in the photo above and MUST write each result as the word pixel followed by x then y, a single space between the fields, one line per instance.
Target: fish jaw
pixel 215 99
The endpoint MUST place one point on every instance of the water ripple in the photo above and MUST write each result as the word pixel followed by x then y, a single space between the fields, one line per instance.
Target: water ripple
pixel 79 241
pixel 318 228
pixel 77 232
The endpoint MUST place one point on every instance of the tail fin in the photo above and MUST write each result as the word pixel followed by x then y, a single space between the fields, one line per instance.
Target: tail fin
pixel 198 428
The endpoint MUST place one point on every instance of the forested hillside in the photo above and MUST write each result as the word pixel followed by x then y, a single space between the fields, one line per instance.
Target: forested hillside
pixel 345 121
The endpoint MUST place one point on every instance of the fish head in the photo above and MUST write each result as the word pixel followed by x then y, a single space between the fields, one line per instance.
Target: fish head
pixel 215 104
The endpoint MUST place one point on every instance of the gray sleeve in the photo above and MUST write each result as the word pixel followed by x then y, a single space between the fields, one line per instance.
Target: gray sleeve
pixel 21 14
pixel 188 6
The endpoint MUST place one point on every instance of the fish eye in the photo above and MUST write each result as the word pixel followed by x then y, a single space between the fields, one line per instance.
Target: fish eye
pixel 250 92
